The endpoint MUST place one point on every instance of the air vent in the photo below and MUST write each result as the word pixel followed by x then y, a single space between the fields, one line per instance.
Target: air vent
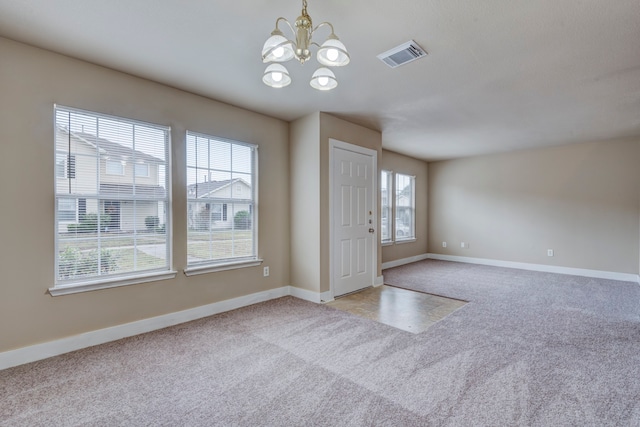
pixel 403 54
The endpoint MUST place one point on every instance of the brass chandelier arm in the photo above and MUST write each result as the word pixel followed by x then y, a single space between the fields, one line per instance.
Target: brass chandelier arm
pixel 322 24
pixel 287 22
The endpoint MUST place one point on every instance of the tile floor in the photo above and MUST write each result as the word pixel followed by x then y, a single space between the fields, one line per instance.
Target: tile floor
pixel 407 310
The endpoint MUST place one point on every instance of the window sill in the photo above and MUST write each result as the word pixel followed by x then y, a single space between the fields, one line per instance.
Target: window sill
pixel 94 285
pixel 213 268
pixel 410 240
pixel 387 243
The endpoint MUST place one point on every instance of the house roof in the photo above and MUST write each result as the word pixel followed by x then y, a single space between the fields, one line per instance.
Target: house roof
pixel 203 189
pixel 110 148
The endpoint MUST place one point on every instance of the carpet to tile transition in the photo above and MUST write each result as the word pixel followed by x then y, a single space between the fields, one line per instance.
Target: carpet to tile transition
pixel 529 348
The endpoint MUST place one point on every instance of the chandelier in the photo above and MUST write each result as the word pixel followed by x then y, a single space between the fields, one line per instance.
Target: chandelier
pixel 277 49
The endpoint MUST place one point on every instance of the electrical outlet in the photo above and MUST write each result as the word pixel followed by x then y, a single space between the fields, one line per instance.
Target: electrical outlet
pixel 463 245
pixel 549 252
pixel 444 244
pixel 266 272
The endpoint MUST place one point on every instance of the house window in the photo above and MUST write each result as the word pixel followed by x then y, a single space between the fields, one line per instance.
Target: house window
pixel 141 170
pixel 114 167
pixel 65 165
pixel 220 174
pixel 385 201
pixel 109 229
pixel 66 210
pixel 405 207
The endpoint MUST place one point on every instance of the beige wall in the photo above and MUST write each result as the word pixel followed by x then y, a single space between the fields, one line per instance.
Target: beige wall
pixel 310 230
pixel 582 201
pixel 31 81
pixel 304 158
pixel 332 127
pixel 398 163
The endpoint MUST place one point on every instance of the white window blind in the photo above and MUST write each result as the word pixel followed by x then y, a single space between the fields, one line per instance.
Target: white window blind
pixel 221 201
pixel 109 225
pixel 386 202
pixel 405 207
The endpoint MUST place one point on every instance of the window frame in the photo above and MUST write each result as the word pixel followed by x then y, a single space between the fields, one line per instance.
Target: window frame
pixel 114 162
pixel 95 282
pixel 65 165
pixel 389 207
pixel 74 210
pixel 135 170
pixel 412 227
pixel 230 263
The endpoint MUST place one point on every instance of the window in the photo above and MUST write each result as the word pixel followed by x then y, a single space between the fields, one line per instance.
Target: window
pixel 109 228
pixel 221 194
pixel 65 165
pixel 386 201
pixel 142 170
pixel 219 212
pixel 114 167
pixel 405 207
pixel 66 210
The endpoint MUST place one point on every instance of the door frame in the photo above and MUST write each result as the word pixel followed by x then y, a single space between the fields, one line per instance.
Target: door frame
pixel 333 145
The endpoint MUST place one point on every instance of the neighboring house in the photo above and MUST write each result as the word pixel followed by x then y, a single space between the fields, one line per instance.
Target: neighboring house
pixel 123 173
pixel 216 208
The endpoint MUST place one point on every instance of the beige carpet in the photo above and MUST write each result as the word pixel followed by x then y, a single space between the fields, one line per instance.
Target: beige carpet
pixel 528 349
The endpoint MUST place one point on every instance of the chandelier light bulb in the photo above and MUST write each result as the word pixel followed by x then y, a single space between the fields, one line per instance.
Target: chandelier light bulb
pixel 323 79
pixel 279 51
pixel 333 53
pixel 276 76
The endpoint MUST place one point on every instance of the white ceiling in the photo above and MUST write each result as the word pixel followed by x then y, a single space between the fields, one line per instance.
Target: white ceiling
pixel 500 75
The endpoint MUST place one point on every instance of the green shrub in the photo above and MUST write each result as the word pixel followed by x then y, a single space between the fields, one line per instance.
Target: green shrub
pixel 89 223
pixel 242 220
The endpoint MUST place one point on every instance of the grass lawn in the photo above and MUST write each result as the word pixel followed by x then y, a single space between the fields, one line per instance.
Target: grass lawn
pixel 125 260
pixel 219 235
pixel 85 241
pixel 219 249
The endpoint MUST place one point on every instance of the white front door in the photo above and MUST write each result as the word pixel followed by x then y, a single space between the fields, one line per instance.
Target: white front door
pixel 354 259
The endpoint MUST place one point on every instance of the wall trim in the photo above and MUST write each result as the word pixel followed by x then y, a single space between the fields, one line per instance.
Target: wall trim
pixel 404 261
pixel 598 274
pixel 326 297
pixel 379 281
pixel 45 350
pixel 304 294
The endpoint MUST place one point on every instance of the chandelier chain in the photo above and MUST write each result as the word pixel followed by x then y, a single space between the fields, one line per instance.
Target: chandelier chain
pixel 304 7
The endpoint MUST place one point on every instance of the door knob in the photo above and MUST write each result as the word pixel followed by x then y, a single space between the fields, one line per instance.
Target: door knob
pixel 371 230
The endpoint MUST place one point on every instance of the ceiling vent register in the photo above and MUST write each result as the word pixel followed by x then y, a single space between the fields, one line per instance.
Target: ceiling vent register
pixel 403 54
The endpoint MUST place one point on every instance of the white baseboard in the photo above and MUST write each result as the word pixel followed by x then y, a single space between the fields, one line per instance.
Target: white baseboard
pixel 36 352
pixel 326 296
pixel 379 281
pixel 310 295
pixel 404 261
pixel 598 274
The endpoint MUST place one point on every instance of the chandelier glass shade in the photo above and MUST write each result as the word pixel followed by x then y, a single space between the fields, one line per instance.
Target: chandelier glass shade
pixel 276 76
pixel 323 79
pixel 277 49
